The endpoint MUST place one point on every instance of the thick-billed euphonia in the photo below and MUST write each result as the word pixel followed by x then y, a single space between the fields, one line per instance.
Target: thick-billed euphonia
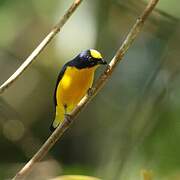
pixel 74 80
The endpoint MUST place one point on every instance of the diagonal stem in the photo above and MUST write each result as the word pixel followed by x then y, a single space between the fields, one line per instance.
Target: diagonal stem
pixel 40 47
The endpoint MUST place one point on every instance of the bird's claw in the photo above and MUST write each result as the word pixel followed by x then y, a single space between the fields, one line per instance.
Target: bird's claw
pixel 90 91
pixel 68 118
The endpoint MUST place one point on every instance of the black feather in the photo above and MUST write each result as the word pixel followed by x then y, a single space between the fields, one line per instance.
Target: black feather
pixel 83 60
pixel 51 128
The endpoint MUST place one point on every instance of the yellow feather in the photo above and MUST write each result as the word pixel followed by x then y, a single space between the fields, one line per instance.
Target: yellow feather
pixel 59 116
pixel 95 54
pixel 70 90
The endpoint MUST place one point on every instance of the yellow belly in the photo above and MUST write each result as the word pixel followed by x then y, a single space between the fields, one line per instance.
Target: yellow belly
pixel 73 86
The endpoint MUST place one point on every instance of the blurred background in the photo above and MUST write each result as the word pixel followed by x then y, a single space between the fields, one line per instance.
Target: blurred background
pixel 133 123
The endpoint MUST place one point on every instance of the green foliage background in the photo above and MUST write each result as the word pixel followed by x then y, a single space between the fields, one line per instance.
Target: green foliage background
pixel 133 124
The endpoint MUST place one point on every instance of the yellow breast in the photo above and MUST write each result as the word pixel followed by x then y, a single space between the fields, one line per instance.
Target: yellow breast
pixel 74 85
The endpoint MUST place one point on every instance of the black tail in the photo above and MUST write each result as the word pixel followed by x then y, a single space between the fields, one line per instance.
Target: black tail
pixel 52 128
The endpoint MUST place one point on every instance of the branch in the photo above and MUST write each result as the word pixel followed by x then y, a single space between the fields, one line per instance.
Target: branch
pixel 86 99
pixel 40 47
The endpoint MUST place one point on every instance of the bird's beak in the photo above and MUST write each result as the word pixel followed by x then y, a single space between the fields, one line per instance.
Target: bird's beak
pixel 102 61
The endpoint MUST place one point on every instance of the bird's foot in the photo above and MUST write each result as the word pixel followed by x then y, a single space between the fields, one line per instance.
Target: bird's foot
pixel 68 118
pixel 90 91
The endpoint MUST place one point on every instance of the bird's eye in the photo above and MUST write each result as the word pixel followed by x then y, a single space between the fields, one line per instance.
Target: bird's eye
pixel 89 58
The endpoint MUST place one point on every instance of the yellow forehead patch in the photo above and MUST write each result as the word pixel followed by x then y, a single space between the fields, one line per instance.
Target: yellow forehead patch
pixel 95 54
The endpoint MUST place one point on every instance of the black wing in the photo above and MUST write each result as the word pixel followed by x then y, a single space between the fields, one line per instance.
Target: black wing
pixel 58 80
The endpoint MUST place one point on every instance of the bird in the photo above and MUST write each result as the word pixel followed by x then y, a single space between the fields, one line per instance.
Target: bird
pixel 73 82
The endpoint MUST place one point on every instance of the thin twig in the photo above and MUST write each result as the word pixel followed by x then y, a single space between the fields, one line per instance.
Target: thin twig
pixel 98 85
pixel 40 47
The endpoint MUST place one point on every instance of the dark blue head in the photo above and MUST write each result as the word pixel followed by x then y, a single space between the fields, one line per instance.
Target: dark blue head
pixel 87 59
